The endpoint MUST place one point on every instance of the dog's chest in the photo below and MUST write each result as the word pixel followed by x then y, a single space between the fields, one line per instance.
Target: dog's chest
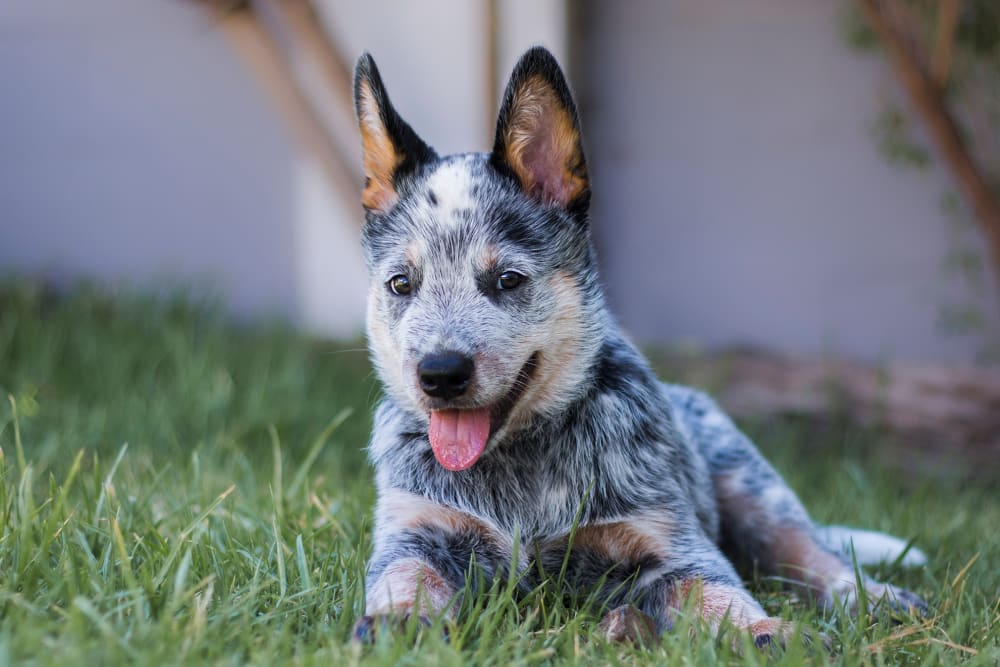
pixel 538 497
pixel 535 499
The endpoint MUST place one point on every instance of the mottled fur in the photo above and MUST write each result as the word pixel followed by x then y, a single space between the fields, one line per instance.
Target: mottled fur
pixel 655 475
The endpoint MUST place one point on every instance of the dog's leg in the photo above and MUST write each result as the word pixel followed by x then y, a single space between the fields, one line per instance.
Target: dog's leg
pixel 763 521
pixel 419 561
pixel 652 569
pixel 715 594
pixel 405 587
pixel 716 601
pixel 765 524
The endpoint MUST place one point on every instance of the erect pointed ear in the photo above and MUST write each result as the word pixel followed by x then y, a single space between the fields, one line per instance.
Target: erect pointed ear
pixel 389 145
pixel 538 134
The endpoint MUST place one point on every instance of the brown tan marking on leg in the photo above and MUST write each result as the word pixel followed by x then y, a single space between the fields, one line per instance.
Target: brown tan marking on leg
pixel 399 586
pixel 779 529
pixel 715 602
pixel 832 580
pixel 624 541
pixel 798 557
pixel 409 585
pixel 400 510
pixel 789 548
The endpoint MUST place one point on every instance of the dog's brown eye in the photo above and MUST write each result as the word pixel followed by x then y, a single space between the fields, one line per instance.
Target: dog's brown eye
pixel 509 280
pixel 400 285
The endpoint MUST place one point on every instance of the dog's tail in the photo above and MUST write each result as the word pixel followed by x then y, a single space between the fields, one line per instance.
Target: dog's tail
pixel 870 547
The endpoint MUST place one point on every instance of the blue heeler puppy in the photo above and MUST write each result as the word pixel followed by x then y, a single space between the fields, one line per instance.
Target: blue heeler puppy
pixel 515 405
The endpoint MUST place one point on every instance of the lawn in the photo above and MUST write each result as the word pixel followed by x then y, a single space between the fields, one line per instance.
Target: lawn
pixel 180 490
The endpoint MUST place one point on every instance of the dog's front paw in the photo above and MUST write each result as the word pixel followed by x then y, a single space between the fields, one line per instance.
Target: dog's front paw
pixel 628 624
pixel 367 629
pixel 770 633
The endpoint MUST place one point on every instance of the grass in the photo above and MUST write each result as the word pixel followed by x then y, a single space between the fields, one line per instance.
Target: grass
pixel 178 490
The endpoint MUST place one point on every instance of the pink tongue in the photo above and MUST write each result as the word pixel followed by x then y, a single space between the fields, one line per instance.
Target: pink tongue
pixel 458 437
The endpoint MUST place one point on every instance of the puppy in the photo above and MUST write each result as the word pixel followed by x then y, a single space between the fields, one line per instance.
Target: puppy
pixel 516 410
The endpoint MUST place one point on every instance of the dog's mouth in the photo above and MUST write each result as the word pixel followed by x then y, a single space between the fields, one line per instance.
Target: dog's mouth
pixel 459 436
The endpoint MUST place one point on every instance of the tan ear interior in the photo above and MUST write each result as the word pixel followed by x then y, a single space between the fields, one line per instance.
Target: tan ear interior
pixel 542 145
pixel 379 155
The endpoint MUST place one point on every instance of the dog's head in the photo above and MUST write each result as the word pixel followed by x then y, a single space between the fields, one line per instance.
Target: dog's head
pixel 484 308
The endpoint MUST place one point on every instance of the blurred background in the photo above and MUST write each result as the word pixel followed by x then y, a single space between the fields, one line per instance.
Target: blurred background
pixel 812 180
pixel 796 205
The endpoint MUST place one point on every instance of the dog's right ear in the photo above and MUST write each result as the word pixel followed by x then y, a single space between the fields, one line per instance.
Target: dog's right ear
pixel 538 134
pixel 389 145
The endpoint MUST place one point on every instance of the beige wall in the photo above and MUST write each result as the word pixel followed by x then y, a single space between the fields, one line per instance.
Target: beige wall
pixel 137 146
pixel 134 146
pixel 740 198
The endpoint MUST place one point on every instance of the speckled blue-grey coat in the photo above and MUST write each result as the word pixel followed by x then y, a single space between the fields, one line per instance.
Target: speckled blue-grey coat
pixel 516 409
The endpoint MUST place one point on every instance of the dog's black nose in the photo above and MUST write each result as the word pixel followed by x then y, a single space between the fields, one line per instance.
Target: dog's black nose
pixel 446 374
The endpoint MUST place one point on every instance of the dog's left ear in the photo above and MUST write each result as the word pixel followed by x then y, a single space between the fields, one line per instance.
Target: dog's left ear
pixel 389 145
pixel 538 134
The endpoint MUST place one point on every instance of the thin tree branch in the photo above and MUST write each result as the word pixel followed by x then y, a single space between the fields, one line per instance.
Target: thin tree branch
pixel 930 106
pixel 258 49
pixel 944 40
pixel 311 38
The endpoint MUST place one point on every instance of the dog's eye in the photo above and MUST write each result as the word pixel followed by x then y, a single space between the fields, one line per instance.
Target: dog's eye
pixel 509 280
pixel 400 285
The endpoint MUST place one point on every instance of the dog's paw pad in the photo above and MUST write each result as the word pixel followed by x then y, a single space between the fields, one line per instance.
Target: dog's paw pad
pixel 775 633
pixel 628 624
pixel 364 630
pixel 367 629
pixel 770 633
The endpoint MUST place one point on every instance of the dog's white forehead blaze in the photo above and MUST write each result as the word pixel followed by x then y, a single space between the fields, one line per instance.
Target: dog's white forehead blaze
pixel 451 187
